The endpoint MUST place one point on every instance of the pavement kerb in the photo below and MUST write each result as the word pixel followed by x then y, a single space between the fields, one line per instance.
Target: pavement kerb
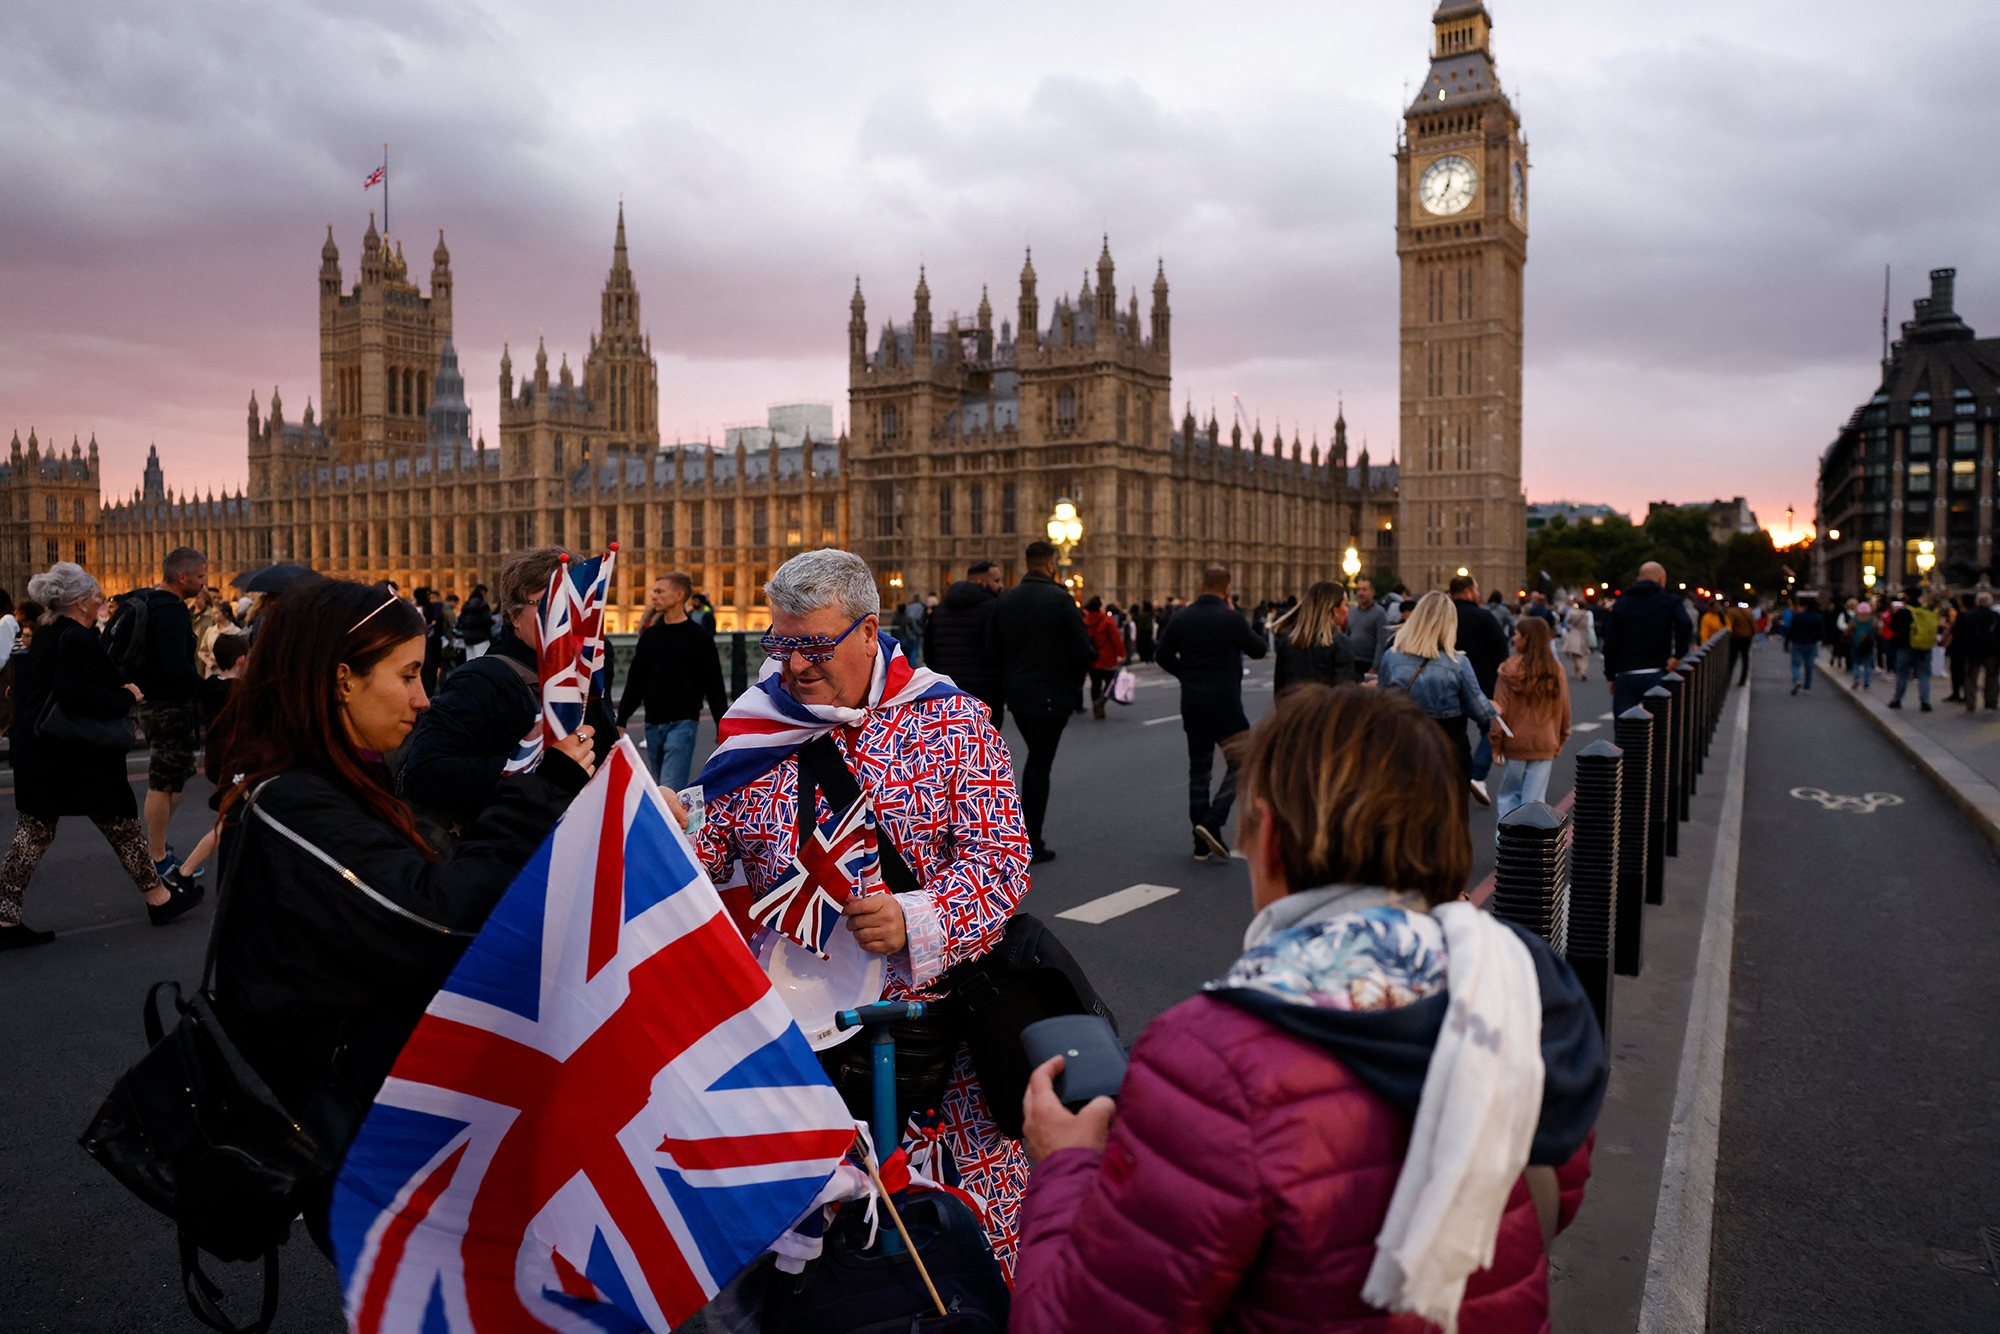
pixel 1960 784
pixel 1676 1294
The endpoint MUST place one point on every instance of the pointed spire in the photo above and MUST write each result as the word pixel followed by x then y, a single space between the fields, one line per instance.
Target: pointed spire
pixel 858 306
pixel 371 239
pixel 618 264
pixel 329 253
pixel 440 257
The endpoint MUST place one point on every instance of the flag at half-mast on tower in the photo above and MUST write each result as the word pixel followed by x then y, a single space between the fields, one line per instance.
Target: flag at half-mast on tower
pixel 374 178
pixel 572 658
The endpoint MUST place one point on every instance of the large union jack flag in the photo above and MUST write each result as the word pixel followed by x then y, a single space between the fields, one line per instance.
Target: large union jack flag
pixel 571 660
pixel 841 861
pixel 605 1113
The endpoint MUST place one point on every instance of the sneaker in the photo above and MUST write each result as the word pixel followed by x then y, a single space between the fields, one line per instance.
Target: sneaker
pixel 1895 703
pixel 1795 687
pixel 166 863
pixel 1218 851
pixel 186 896
pixel 1043 855
pixel 19 936
pixel 1479 792
pixel 1200 851
pixel 1924 708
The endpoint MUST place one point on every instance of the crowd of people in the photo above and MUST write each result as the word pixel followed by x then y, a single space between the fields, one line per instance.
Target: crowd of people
pixel 370 808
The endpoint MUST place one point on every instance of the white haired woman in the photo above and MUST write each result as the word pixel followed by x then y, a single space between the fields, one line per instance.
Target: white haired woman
pixel 66 669
pixel 1423 660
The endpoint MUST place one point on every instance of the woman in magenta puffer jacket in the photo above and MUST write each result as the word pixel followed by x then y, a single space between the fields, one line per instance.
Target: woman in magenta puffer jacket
pixel 1330 1137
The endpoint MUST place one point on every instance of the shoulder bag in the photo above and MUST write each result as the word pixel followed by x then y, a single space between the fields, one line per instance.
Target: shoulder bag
pixel 56 724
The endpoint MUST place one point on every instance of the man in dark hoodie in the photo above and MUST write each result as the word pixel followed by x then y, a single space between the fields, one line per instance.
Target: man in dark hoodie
pixel 955 636
pixel 1484 644
pixel 1646 634
pixel 1036 634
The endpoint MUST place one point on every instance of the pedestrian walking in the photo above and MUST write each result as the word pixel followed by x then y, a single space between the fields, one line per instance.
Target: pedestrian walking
pixel 955 636
pixel 1742 630
pixel 1532 701
pixel 342 921
pixel 1803 634
pixel 1422 662
pixel 1204 649
pixel 1501 613
pixel 152 639
pixel 1309 643
pixel 674 671
pixel 453 764
pixel 67 685
pixel 1861 649
pixel 1244 1178
pixel 1646 634
pixel 1980 631
pixel 1954 650
pixel 1538 605
pixel 1110 646
pixel 1579 639
pixel 1037 636
pixel 1480 640
pixel 1367 628
pixel 1915 626
pixel 1142 621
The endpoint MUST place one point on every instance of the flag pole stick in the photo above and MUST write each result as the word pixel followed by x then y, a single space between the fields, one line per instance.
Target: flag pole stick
pixel 385 194
pixel 902 1231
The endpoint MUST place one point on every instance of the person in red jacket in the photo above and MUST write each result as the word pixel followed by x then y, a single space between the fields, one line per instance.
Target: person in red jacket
pixel 1109 641
pixel 1375 1121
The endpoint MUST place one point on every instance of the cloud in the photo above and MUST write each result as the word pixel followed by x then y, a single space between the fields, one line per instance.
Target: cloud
pixel 1715 190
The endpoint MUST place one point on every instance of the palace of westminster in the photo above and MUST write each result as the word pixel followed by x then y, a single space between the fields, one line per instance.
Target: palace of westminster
pixel 961 436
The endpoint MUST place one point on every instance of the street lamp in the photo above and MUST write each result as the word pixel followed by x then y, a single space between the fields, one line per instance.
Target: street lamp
pixel 1926 556
pixel 1833 533
pixel 1065 531
pixel 1867 577
pixel 1350 564
pixel 1462 572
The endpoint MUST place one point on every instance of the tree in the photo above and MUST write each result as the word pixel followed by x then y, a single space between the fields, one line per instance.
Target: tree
pixel 1603 554
pixel 1749 558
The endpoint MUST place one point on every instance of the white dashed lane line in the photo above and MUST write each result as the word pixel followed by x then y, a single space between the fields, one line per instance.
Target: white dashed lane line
pixel 1099 911
pixel 1584 727
pixel 1155 722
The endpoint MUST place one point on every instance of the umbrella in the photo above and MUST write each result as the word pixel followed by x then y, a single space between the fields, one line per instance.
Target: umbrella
pixel 272 578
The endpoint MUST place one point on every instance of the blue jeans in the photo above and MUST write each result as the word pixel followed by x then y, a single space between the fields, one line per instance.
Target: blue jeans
pixel 1913 662
pixel 670 751
pixel 1521 781
pixel 1482 756
pixel 1803 658
pixel 1864 664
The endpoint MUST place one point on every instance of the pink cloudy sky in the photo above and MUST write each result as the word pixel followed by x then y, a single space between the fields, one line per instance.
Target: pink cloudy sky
pixel 1717 187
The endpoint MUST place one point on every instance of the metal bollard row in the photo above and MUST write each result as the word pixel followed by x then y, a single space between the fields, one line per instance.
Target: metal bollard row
pixel 1640 856
pixel 1594 873
pixel 1531 873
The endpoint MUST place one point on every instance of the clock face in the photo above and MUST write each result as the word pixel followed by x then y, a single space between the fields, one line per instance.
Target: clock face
pixel 1520 193
pixel 1447 185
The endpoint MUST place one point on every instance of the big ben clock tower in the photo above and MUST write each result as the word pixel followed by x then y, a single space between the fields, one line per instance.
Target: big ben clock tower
pixel 1462 237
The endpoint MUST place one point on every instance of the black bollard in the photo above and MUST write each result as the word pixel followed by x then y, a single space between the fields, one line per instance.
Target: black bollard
pixel 1638 852
pixel 1659 702
pixel 1694 668
pixel 1531 873
pixel 1677 757
pixel 1593 873
pixel 739 664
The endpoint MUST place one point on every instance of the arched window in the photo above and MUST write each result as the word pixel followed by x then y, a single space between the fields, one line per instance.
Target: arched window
pixel 423 393
pixel 50 508
pixel 409 393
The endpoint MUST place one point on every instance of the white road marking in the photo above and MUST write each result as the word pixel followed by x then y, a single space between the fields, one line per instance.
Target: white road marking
pixel 1155 722
pixel 1099 911
pixel 1677 1269
pixel 1607 717
pixel 1584 727
pixel 1863 805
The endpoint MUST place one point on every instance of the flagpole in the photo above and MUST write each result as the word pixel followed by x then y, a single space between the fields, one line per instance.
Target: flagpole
pixel 385 194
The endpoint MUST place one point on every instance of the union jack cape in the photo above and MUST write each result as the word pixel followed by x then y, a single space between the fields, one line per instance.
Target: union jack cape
pixel 604 1114
pixel 766 726
pixel 571 661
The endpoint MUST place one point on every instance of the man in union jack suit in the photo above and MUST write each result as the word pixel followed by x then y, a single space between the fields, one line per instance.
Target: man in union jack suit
pixel 941 787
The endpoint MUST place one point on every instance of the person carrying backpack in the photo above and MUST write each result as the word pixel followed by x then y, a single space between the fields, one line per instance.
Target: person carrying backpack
pixel 151 640
pixel 1861 655
pixel 1915 626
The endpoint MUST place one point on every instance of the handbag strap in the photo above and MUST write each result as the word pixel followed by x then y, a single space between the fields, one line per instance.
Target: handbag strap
pixel 821 764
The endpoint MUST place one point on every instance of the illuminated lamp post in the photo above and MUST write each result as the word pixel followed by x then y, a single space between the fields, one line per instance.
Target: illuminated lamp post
pixel 1065 531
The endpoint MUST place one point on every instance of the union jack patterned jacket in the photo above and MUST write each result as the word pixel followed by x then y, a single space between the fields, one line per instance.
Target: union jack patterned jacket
pixel 943 788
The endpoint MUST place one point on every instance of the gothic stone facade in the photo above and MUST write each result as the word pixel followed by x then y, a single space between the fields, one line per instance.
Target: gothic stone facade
pixel 963 439
pixel 390 483
pixel 1462 238
pixel 48 510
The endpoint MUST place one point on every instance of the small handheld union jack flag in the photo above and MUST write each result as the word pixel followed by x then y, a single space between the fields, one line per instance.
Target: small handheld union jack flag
pixel 841 861
pixel 572 656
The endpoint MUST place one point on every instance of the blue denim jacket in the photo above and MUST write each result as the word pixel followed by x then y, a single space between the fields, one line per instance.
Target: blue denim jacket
pixel 1443 687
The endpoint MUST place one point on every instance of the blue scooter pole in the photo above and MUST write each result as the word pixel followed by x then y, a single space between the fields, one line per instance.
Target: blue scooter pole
pixel 884 1124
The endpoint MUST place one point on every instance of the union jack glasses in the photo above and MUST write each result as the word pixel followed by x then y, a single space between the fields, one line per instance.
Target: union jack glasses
pixel 813 648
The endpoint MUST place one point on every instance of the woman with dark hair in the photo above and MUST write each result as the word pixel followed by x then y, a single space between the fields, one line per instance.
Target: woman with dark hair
pixel 340 923
pixel 1311 639
pixel 67 669
pixel 1309 1144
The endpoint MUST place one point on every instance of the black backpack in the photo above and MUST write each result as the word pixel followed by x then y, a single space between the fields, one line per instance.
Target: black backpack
pixel 125 637
pixel 855 1289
